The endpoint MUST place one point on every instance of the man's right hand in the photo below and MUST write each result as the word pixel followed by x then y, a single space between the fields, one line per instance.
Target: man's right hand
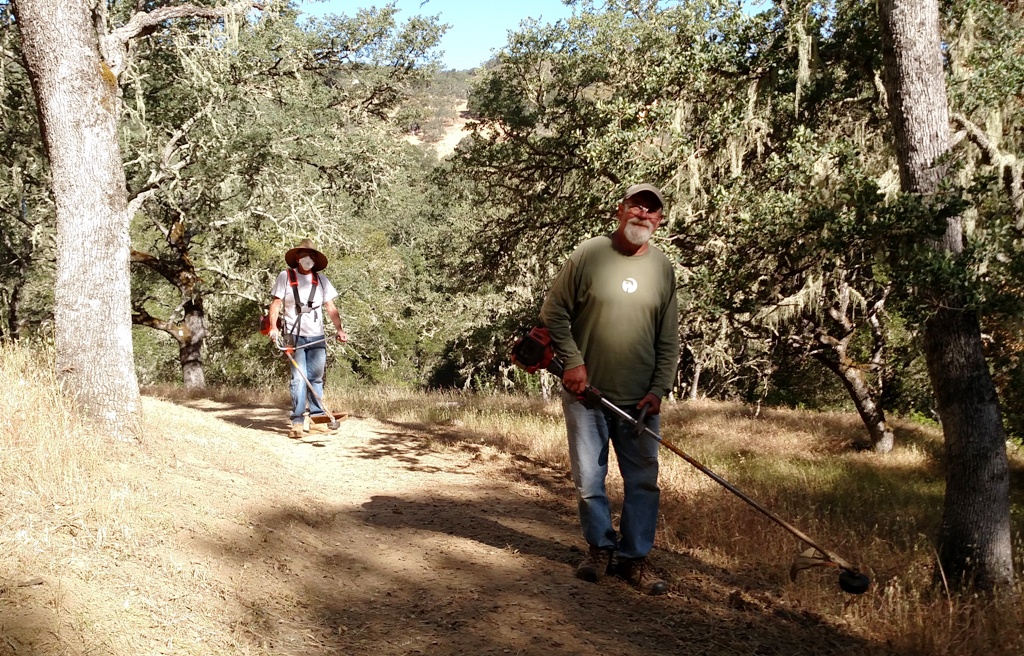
pixel 575 379
pixel 273 335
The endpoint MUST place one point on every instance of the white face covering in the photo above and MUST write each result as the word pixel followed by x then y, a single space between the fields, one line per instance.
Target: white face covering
pixel 306 262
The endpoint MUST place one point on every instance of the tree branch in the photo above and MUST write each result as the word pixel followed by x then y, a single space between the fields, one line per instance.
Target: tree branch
pixel 115 44
pixel 1011 171
pixel 165 168
pixel 140 317
pixel 143 21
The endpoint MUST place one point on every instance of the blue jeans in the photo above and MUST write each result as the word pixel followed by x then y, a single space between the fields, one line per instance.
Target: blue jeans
pixel 311 361
pixel 590 431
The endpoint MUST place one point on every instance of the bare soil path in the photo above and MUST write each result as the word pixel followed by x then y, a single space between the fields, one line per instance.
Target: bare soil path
pixel 386 540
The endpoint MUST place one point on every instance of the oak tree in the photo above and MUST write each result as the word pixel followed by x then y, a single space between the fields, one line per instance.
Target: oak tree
pixel 975 546
pixel 74 57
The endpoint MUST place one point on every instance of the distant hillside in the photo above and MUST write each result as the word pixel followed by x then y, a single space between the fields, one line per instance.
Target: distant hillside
pixel 440 112
pixel 448 135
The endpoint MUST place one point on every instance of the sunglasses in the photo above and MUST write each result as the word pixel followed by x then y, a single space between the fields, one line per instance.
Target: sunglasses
pixel 642 208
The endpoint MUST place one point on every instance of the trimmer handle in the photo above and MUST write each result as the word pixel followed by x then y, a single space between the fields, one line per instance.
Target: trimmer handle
pixel 641 424
pixel 284 343
pixel 534 352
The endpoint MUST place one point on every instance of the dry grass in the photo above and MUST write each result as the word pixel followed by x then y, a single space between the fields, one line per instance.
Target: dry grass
pixel 82 525
pixel 70 503
pixel 54 475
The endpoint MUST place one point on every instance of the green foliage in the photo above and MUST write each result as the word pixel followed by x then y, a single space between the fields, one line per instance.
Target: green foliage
pixel 251 134
pixel 26 212
pixel 986 63
pixel 435 104
pixel 156 357
pixel 237 355
pixel 768 134
pixel 576 110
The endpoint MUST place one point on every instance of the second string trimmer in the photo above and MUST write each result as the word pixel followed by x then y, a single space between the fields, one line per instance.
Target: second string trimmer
pixel 288 350
pixel 534 352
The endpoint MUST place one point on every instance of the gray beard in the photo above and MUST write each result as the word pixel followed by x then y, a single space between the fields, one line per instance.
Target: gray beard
pixel 637 234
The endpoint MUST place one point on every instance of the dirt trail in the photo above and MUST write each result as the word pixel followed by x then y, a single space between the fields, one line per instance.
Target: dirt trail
pixel 386 539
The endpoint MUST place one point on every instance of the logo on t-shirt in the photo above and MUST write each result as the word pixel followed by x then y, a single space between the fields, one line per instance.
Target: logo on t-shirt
pixel 629 285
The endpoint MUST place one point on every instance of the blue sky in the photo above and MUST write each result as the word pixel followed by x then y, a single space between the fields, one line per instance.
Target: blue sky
pixel 477 26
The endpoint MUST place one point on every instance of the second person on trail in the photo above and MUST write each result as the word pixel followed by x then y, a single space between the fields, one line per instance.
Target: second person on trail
pixel 301 296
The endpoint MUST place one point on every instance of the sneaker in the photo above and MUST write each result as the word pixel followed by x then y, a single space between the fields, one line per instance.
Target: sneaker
pixel 597 563
pixel 639 574
pixel 296 432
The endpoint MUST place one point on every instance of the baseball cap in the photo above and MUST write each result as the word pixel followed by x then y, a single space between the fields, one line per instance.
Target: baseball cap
pixel 641 188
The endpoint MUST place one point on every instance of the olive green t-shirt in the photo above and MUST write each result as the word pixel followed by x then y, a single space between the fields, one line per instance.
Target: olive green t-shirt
pixel 617 314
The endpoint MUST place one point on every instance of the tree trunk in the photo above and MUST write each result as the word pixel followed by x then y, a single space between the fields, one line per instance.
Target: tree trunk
pixel 975 538
pixel 190 345
pixel 698 366
pixel 974 541
pixel 870 411
pixel 76 93
pixel 177 268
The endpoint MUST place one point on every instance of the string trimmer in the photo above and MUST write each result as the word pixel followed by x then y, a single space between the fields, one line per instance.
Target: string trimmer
pixel 534 352
pixel 288 349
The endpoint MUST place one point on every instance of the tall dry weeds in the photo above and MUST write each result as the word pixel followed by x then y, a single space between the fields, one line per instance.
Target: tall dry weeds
pixel 82 520
pixel 55 473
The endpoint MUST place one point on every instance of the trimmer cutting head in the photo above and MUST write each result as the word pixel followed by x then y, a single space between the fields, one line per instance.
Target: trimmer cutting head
pixel 333 420
pixel 850 579
pixel 854 582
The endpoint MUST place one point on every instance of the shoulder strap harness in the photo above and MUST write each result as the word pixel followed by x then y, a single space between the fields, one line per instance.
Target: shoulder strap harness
pixel 293 282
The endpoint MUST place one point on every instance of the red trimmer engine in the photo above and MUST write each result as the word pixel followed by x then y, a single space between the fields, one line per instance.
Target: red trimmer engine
pixel 533 352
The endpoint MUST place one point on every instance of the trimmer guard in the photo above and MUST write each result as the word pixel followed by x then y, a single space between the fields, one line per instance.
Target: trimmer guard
pixel 325 419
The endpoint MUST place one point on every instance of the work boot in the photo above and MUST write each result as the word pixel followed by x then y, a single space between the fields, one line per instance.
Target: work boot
pixel 296 432
pixel 597 563
pixel 639 574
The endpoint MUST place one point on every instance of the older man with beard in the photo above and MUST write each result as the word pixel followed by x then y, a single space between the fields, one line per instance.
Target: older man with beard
pixel 613 319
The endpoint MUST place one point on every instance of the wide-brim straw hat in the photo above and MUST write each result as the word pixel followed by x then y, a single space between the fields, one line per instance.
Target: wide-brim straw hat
pixel 291 258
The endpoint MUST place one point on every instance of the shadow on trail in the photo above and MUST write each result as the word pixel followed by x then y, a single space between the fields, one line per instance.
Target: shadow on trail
pixel 267 418
pixel 436 572
pixel 407 576
pixel 811 510
pixel 479 521
pixel 430 573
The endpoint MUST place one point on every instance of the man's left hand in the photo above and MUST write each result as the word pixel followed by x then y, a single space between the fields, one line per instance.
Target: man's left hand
pixel 341 335
pixel 652 402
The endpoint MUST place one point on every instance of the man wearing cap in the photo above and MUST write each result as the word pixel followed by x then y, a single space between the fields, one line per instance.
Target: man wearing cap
pixel 303 293
pixel 613 319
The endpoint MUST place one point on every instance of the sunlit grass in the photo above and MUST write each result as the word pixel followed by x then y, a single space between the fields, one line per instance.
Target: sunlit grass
pixel 79 517
pixel 67 509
